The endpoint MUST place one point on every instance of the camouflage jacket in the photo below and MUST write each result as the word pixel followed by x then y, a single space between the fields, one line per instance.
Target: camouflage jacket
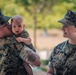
pixel 10 62
pixel 63 59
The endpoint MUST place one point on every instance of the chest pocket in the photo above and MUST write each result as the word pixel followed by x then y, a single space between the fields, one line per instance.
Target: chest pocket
pixel 59 59
pixel 65 62
pixel 71 59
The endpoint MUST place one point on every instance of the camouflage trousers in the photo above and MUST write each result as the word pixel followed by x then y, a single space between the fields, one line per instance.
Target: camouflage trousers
pixel 10 62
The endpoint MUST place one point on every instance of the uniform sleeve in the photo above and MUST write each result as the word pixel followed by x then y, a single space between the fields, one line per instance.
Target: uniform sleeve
pixel 25 34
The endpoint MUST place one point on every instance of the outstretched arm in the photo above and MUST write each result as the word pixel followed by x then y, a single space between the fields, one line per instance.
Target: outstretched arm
pixel 27 40
pixel 30 56
pixel 33 59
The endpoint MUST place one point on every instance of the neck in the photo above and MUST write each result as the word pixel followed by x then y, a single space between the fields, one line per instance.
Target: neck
pixel 72 41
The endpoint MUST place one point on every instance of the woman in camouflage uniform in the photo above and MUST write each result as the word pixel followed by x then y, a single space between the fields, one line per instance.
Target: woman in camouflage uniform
pixel 14 51
pixel 63 58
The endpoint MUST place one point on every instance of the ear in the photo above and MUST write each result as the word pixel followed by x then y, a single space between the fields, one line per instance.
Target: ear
pixel 11 21
pixel 24 25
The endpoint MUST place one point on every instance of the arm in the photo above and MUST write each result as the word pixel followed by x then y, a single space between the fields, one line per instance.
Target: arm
pixel 27 53
pixel 29 56
pixel 28 68
pixel 27 40
pixel 24 37
pixel 33 59
pixel 50 70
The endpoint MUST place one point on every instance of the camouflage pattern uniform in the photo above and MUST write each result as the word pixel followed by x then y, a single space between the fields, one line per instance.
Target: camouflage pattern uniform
pixel 10 60
pixel 63 59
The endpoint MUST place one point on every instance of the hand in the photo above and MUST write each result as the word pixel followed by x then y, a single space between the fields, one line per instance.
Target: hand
pixel 19 39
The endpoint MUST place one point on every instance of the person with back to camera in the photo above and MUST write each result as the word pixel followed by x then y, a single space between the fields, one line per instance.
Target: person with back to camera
pixel 12 53
pixel 63 58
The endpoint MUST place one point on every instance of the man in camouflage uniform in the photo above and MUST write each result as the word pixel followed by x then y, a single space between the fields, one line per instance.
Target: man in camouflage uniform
pixel 63 58
pixel 12 53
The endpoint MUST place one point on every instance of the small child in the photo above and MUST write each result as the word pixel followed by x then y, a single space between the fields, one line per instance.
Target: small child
pixel 21 36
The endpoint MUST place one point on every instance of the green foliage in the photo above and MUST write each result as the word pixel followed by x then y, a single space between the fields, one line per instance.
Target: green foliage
pixel 44 62
pixel 44 69
pixel 44 13
pixel 51 20
pixel 24 2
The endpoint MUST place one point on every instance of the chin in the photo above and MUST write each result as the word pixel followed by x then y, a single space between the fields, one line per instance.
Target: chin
pixel 65 36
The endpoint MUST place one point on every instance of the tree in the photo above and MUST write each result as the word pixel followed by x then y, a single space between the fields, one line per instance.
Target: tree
pixel 35 7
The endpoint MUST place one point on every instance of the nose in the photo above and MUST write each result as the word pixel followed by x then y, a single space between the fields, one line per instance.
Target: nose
pixel 16 28
pixel 64 26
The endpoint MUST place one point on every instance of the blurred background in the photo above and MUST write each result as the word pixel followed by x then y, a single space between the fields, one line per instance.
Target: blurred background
pixel 41 21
